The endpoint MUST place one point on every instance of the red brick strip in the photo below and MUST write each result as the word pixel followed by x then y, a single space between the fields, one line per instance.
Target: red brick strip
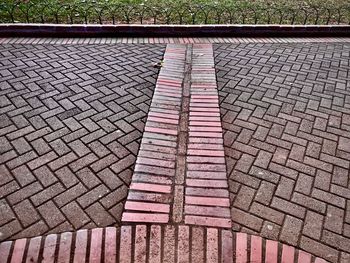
pixel 150 195
pixel 206 194
pixel 182 145
pixel 168 40
pixel 154 244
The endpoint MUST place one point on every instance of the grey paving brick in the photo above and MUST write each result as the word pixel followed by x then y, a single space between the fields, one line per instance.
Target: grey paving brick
pixel 63 126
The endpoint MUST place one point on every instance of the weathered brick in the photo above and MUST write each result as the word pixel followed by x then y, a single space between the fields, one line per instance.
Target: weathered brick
pixel 291 230
pixel 265 193
pixel 334 219
pixel 244 198
pixel 328 198
pixel 288 207
pixel 285 188
pixel 267 213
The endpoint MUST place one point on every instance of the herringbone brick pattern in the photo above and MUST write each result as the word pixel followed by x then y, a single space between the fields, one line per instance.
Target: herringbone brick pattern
pixel 71 120
pixel 286 117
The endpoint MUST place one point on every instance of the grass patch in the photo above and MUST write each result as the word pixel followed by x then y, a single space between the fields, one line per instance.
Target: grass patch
pixel 176 11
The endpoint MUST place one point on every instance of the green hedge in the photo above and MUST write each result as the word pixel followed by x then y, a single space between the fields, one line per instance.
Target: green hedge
pixel 176 12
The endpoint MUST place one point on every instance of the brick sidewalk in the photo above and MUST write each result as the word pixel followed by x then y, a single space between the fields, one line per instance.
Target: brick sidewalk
pixel 283 108
pixel 286 116
pixel 72 119
pixel 179 179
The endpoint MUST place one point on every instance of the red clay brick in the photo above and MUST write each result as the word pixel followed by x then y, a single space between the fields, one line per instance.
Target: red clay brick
pixel 271 251
pixel 110 248
pixel 197 245
pixel 145 217
pixel 205 152
pixel 227 253
pixel 241 248
pixel 205 134
pixel 204 128
pixel 255 249
pixel 211 160
pixel 161 131
pixel 206 175
pixel 209 201
pixel 183 250
pixel 18 250
pixel 96 245
pixel 320 260
pixel 33 250
pixel 125 244
pixel 142 196
pixel 155 244
pixel 207 183
pixel 156 162
pixel 64 248
pixel 206 192
pixel 163 120
pixel 173 116
pixel 153 170
pixel 151 187
pixel 288 254
pixel 140 244
pixel 169 244
pixel 49 248
pixel 207 221
pixel 146 206
pixel 207 211
pixel 304 257
pixel 212 245
pixel 206 167
pixel 81 242
pixel 208 124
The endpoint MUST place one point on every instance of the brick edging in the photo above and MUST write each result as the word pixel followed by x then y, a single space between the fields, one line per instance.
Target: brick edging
pixel 206 191
pixel 151 191
pixel 134 30
pixel 152 243
pixel 167 40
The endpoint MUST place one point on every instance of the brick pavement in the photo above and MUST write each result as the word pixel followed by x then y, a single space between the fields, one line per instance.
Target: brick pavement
pixel 272 180
pixel 285 111
pixel 168 40
pixel 71 122
pixel 152 243
pixel 180 172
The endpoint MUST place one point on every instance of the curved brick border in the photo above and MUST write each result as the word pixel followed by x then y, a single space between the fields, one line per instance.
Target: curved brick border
pixel 152 243
pixel 55 30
